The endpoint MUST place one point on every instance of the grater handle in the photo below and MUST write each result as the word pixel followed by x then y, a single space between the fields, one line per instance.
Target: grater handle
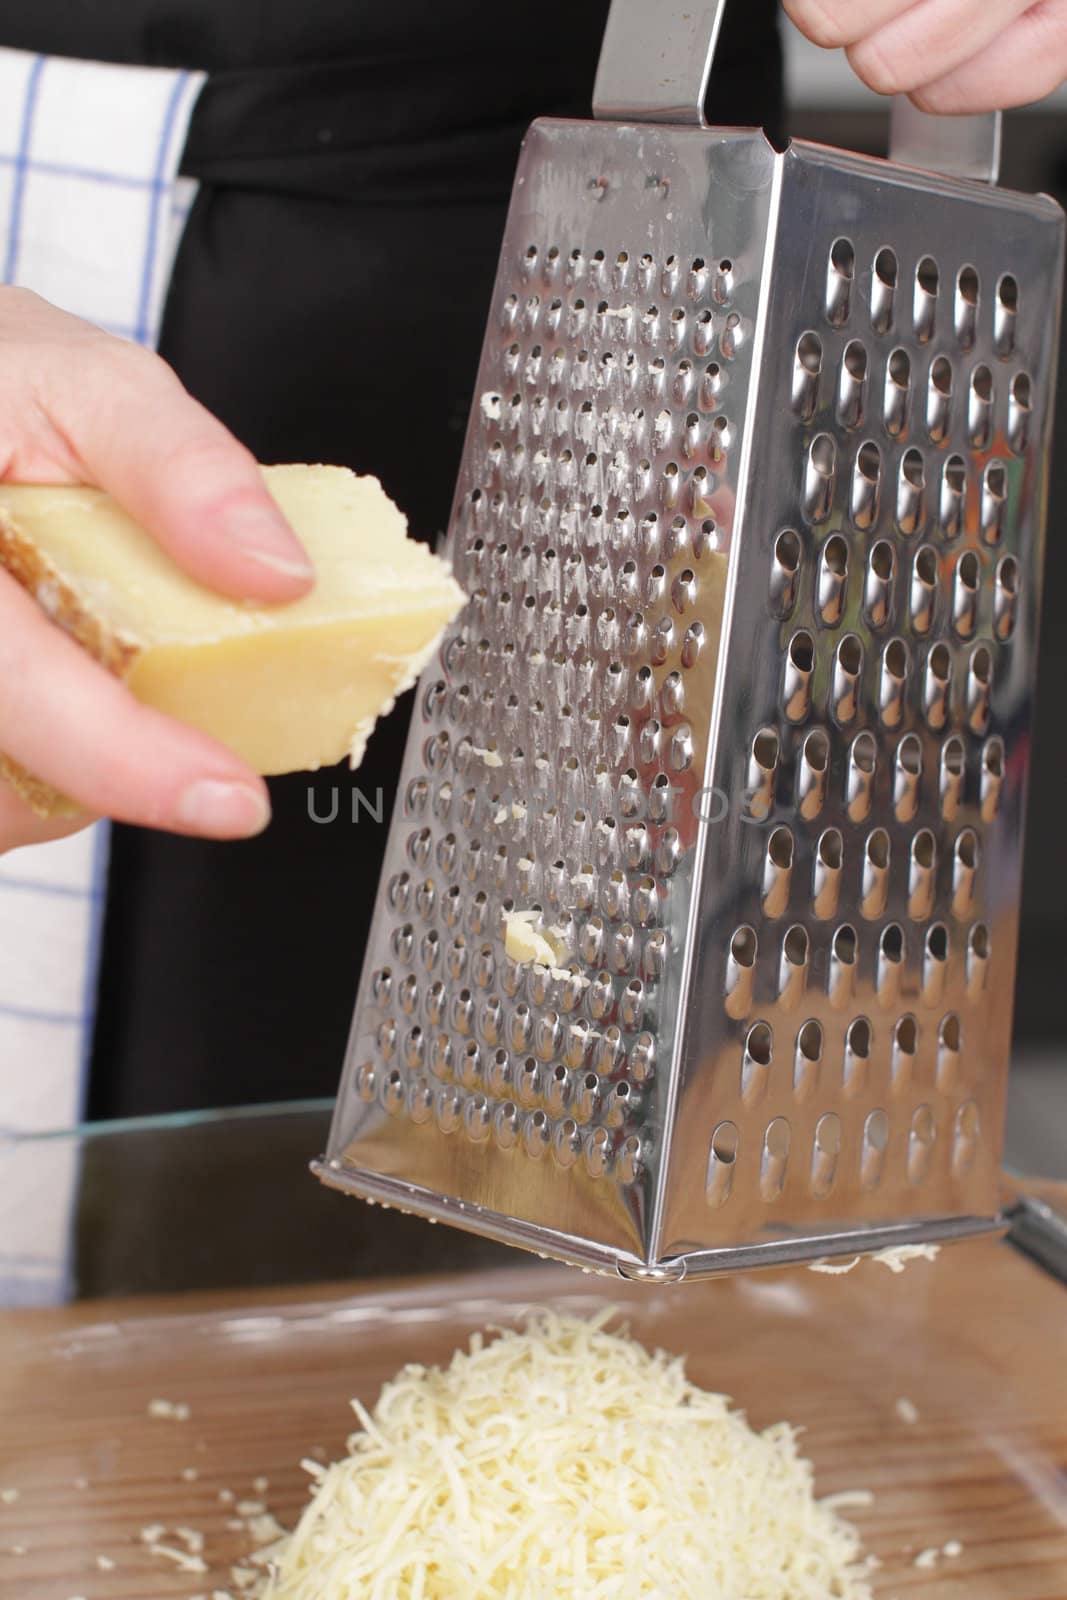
pixel 959 147
pixel 655 61
pixel 654 67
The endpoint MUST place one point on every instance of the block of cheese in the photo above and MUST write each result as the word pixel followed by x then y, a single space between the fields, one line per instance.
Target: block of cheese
pixel 290 687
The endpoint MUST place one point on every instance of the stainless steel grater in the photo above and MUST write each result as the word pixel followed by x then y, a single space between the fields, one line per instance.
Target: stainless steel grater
pixel 751 518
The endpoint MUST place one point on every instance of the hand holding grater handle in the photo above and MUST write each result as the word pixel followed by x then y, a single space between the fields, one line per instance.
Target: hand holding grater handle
pixel 678 40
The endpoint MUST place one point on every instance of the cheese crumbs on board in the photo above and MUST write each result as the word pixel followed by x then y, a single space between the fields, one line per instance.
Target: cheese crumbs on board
pixel 564 1460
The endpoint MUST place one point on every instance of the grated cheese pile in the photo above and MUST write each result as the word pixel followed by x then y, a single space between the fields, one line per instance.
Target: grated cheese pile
pixel 564 1460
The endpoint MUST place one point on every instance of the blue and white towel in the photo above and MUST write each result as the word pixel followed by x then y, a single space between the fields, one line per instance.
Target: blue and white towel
pixel 91 211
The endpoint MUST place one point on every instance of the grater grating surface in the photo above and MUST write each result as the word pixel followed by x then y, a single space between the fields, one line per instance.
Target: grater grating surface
pixel 750 516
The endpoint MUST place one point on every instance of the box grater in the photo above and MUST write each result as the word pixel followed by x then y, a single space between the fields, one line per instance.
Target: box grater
pixel 750 517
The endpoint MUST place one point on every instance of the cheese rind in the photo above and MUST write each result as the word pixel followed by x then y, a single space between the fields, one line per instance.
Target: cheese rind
pixel 288 688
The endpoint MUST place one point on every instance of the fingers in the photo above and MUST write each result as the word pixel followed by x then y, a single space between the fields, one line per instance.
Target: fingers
pixel 952 56
pixel 929 40
pixel 835 24
pixel 19 825
pixel 71 723
pixel 132 429
pixel 1026 63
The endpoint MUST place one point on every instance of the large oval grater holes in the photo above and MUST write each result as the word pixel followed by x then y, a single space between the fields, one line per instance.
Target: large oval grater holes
pixel 780 848
pixel 795 946
pixel 809 1041
pixel 966 306
pixel 924 299
pixel 982 383
pixel 809 1047
pixel 878 848
pixel 845 945
pixel 906 1036
pixel 743 946
pixel 722 1156
pixel 835 555
pixel 1020 402
pixel 840 270
pixel 858 1038
pixel 883 287
pixel 765 749
pixel 825 1153
pixel 724 1143
pixel 965 1136
pixel 1005 314
pixel 882 560
pixel 891 944
pixel 875 1144
pixel 817 750
pixel 967 849
pixel 899 368
pixel 759 1044
pixel 775 1157
pixel 850 654
pixel 910 755
pixel 831 849
pixel 809 353
pixel 802 651
pixel 920 1144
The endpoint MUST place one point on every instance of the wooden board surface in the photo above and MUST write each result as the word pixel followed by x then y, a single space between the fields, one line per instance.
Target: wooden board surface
pixel 976 1341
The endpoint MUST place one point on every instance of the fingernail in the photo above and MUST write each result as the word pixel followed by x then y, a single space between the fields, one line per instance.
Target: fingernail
pixel 223 810
pixel 268 539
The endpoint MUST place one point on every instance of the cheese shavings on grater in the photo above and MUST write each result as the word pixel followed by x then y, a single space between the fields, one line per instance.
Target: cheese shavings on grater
pixel 751 519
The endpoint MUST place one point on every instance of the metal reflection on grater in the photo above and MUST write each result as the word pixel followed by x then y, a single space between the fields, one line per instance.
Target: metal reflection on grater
pixel 750 516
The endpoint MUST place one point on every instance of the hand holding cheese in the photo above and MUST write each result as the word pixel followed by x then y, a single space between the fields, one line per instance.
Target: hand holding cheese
pixel 78 407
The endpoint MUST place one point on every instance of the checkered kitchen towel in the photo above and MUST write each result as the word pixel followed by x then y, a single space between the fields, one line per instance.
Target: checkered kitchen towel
pixel 91 210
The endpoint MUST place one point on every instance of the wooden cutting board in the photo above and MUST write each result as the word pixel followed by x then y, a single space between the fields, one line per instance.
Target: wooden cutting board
pixel 975 1341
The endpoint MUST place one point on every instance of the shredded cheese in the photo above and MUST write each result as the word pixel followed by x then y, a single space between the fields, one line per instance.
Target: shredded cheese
pixel 565 1460
pixel 895 1257
pixel 523 942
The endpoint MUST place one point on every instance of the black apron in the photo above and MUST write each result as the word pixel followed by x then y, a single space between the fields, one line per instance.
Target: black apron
pixel 328 303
